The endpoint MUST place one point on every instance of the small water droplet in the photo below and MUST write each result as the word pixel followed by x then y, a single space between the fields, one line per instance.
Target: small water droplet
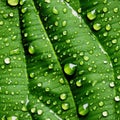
pixel 63 96
pixel 55 11
pixel 24 108
pixel 68 41
pixel 86 58
pixel 47 1
pixel 91 15
pixel 108 27
pixel 39 112
pixel 118 77
pixel 1 23
pixel 114 41
pixel 12 118
pixel 64 23
pixel 70 68
pixel 32 75
pixel 112 84
pixel 61 80
pixel 115 10
pixel 23 10
pixel 101 103
pixel 11 14
pixel 117 98
pixel 97 26
pixel 13 2
pixel 33 110
pixel 65 106
pixel 78 83
pixel 105 9
pixel 31 49
pixel 50 66
pixel 7 60
pixel 22 2
pixel 105 113
pixel 83 110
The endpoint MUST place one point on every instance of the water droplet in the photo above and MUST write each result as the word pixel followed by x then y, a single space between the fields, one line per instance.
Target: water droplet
pixel 33 110
pixel 23 10
pixel 31 49
pixel 108 27
pixel 83 110
pixel 24 108
pixel 50 66
pixel 15 52
pixel 63 96
pixel 1 22
pixel 22 2
pixel 101 103
pixel 117 98
pixel 61 80
pixel 97 26
pixel 114 41
pixel 105 9
pixel 39 112
pixel 112 84
pixel 12 118
pixel 91 15
pixel 70 68
pixel 115 10
pixel 118 77
pixel 11 14
pixel 68 41
pixel 64 23
pixel 65 106
pixel 7 60
pixel 55 11
pixel 78 83
pixel 47 1
pixel 86 58
pixel 105 113
pixel 65 32
pixel 13 2
pixel 32 75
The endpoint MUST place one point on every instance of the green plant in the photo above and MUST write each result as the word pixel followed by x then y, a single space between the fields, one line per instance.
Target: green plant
pixel 59 60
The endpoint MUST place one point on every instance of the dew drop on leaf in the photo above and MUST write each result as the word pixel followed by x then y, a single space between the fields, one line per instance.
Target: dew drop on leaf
pixel 101 103
pixel 31 49
pixel 55 11
pixel 105 113
pixel 83 110
pixel 13 2
pixel 63 96
pixel 97 26
pixel 7 60
pixel 47 1
pixel 65 106
pixel 39 112
pixel 70 68
pixel 1 23
pixel 108 27
pixel 91 15
pixel 78 83
pixel 115 10
pixel 12 118
pixel 117 98
pixel 23 10
pixel 33 110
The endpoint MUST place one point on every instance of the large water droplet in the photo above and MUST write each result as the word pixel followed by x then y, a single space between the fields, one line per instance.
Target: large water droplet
pixel 70 68
pixel 65 106
pixel 13 2
pixel 117 98
pixel 39 112
pixel 97 26
pixel 91 15
pixel 83 110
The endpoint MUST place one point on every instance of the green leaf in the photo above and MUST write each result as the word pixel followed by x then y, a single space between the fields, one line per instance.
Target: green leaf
pixel 50 95
pixel 107 14
pixel 74 43
pixel 13 74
